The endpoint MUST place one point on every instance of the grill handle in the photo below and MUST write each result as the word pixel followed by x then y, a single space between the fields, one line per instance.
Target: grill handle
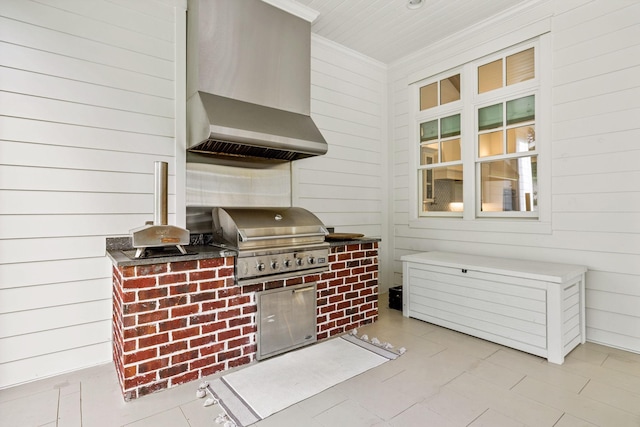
pixel 244 238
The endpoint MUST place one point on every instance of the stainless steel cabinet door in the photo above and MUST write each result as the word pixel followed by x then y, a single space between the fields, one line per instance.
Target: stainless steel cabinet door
pixel 286 319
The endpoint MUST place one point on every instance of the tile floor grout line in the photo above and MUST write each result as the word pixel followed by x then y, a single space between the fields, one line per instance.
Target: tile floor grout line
pixel 474 420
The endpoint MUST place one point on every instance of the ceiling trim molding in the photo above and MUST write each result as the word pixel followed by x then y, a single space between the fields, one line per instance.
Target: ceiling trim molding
pixel 348 51
pixel 294 8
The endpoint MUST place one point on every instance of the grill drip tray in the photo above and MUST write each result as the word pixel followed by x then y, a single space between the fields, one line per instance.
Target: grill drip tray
pixel 158 252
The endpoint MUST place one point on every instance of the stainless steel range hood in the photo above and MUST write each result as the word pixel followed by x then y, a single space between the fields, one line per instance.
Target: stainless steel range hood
pixel 248 82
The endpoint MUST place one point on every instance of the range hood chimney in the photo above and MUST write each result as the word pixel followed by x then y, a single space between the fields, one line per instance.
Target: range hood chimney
pixel 248 82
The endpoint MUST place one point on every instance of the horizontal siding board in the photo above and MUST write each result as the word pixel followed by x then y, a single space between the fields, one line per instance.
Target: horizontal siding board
pixel 78 136
pixel 36 108
pixel 625 35
pixel 32 298
pixel 53 272
pixel 109 13
pixel 38 367
pixel 346 127
pixel 597 165
pixel 47 225
pixel 613 328
pixel 335 179
pixel 73 203
pixel 322 191
pixel 37 61
pixel 601 222
pixel 54 340
pixel 606 144
pixel 597 182
pixel 615 282
pixel 592 21
pixel 85 27
pixel 607 123
pixel 595 106
pixel 77 180
pixel 51 249
pixel 606 202
pixel 611 302
pixel 55 317
pixel 610 83
pixel 345 112
pixel 69 45
pixel 36 84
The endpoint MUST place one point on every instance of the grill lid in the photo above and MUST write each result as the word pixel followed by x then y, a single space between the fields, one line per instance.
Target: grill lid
pixel 260 228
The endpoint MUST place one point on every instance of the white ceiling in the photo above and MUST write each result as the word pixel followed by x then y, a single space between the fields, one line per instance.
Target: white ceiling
pixel 387 30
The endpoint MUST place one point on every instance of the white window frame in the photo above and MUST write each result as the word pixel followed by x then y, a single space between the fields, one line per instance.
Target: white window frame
pixel 472 219
pixel 437 113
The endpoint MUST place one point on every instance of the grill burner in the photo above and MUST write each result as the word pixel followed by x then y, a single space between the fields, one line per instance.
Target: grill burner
pixel 272 243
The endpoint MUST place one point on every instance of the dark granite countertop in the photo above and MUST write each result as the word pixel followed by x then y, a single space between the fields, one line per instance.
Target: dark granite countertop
pixel 121 253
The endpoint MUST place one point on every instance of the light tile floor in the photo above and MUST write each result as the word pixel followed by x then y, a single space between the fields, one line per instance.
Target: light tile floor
pixel 444 379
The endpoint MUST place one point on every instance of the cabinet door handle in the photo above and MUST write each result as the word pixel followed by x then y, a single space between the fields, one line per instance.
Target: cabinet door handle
pixel 464 270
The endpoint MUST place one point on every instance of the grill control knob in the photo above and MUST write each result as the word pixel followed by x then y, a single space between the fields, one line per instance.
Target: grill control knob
pixel 274 265
pixel 287 263
pixel 299 261
pixel 261 266
pixel 312 260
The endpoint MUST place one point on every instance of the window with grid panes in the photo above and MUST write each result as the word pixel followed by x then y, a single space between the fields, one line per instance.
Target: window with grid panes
pixel 500 134
pixel 440 166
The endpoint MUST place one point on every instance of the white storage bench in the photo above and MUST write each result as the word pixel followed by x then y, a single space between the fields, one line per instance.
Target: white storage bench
pixel 536 307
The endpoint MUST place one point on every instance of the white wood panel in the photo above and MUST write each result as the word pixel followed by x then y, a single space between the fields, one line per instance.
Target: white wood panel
pixel 54 179
pixel 22 322
pixel 65 44
pixel 58 248
pixel 52 18
pixel 87 105
pixel 604 222
pixel 60 134
pixel 68 293
pixel 338 179
pixel 597 182
pixel 53 156
pixel 58 203
pixel 607 83
pixel 54 340
pixel 60 271
pixel 614 282
pixel 47 365
pixel 47 225
pixel 19 81
pixel 600 144
pixel 624 161
pixel 86 115
pixel 110 13
pixel 38 61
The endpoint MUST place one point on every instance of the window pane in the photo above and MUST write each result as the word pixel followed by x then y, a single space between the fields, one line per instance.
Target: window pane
pixel 490 76
pixel 450 126
pixel 446 189
pixel 509 185
pixel 450 89
pixel 451 150
pixel 521 110
pixel 521 139
pixel 490 117
pixel 428 96
pixel 429 154
pixel 429 130
pixel 520 67
pixel 490 144
pixel 426 187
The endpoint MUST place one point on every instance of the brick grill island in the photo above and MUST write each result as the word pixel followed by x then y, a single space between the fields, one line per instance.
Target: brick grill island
pixel 175 322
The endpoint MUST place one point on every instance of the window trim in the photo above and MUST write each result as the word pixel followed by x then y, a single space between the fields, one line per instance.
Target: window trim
pixel 470 220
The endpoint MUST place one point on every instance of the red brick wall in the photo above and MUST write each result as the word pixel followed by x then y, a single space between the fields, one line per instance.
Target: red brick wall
pixel 181 321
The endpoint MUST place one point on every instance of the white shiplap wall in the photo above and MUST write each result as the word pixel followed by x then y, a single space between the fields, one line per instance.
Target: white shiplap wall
pixel 346 188
pixel 87 104
pixel 595 158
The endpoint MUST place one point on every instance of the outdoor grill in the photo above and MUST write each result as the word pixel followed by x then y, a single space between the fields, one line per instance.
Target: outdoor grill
pixel 272 243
